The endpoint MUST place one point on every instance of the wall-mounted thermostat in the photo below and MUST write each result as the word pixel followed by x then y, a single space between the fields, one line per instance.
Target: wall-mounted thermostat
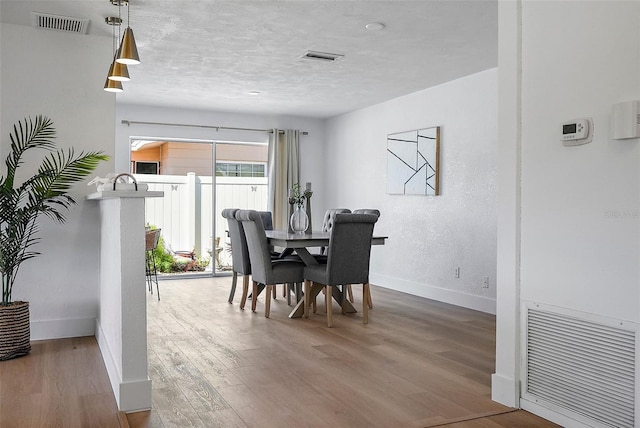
pixel 577 131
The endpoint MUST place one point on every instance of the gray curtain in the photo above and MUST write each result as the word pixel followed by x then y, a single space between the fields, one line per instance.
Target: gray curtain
pixel 284 167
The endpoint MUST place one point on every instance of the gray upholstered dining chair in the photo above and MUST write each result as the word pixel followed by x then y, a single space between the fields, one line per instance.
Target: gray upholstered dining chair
pixel 264 269
pixel 348 258
pixel 239 253
pixel 327 224
pixel 240 261
pixel 348 286
pixel 367 211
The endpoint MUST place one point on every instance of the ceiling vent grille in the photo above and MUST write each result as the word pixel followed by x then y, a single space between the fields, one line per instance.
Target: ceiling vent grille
pixel 321 56
pixel 60 23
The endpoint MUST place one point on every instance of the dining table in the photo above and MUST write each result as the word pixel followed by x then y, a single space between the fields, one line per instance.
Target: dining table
pixel 300 242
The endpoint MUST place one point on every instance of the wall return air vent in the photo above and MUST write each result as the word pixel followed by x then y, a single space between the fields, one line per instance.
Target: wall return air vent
pixel 585 368
pixel 60 23
pixel 321 56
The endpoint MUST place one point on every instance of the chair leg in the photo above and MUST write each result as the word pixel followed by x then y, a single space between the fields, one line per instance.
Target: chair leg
pixel 365 305
pixel 314 303
pixel 155 275
pixel 245 291
pixel 369 300
pixel 234 282
pixel 147 265
pixel 284 290
pixel 298 288
pixel 275 295
pixel 350 291
pixel 267 301
pixel 307 291
pixel 254 301
pixel 329 300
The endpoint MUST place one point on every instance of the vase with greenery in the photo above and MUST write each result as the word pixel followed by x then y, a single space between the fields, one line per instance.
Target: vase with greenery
pixel 24 197
pixel 299 221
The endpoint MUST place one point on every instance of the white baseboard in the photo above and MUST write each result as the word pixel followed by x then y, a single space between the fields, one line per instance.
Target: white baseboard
pixel 505 391
pixel 478 303
pixel 555 417
pixel 135 396
pixel 115 376
pixel 132 396
pixel 59 329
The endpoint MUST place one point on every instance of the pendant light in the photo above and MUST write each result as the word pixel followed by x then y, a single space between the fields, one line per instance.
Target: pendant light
pixel 118 71
pixel 113 86
pixel 116 74
pixel 128 52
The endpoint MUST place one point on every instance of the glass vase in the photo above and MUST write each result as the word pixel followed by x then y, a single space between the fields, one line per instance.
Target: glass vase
pixel 299 221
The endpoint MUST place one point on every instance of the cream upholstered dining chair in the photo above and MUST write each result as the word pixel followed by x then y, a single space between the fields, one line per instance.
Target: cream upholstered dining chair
pixel 348 258
pixel 264 269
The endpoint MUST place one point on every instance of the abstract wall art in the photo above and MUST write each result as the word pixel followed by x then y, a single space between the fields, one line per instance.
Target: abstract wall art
pixel 413 162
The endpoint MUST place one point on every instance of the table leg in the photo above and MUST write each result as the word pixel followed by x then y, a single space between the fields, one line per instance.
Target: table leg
pixel 298 310
pixel 340 295
pixel 306 257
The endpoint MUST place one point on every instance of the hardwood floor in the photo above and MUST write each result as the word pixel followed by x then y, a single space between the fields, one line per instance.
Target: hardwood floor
pixel 418 363
pixel 61 383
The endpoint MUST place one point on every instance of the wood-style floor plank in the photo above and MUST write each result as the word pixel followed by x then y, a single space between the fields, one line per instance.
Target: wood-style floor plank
pixel 417 363
pixel 61 383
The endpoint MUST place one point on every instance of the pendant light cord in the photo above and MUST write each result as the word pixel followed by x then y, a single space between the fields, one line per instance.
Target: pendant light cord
pixel 113 40
pixel 119 25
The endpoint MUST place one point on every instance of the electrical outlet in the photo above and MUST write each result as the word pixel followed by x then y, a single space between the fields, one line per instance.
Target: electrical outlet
pixel 485 282
pixel 456 272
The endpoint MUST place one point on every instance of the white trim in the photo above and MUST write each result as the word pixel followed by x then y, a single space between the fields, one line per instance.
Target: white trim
pixel 130 396
pixel 59 329
pixel 478 303
pixel 115 377
pixel 556 416
pixel 136 395
pixel 505 390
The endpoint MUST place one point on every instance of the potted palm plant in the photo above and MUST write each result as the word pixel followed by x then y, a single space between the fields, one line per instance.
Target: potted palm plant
pixel 21 204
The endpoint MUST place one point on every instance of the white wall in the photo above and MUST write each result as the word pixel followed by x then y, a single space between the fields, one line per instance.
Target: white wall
pixel 60 75
pixel 580 201
pixel 580 206
pixel 311 146
pixel 428 236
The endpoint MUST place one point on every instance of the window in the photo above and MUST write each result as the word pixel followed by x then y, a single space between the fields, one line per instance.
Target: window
pixel 233 169
pixel 142 167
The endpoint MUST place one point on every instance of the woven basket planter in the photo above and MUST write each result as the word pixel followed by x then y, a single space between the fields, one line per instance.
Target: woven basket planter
pixel 15 334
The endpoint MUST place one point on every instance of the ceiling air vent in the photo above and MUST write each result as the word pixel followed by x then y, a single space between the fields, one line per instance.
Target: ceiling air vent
pixel 321 56
pixel 60 23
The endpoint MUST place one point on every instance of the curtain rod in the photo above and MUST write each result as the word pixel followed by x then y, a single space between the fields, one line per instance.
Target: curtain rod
pixel 217 128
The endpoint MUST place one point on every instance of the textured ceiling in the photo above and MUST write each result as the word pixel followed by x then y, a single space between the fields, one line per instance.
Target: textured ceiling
pixel 212 54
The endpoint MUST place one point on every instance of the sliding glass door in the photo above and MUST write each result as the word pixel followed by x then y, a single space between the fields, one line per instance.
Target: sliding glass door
pixel 199 179
pixel 240 182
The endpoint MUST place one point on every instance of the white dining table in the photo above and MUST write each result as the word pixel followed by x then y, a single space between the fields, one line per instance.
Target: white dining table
pixel 300 242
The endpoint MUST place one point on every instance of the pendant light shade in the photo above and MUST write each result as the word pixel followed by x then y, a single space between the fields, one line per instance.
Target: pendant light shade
pixel 118 72
pixel 113 86
pixel 128 52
